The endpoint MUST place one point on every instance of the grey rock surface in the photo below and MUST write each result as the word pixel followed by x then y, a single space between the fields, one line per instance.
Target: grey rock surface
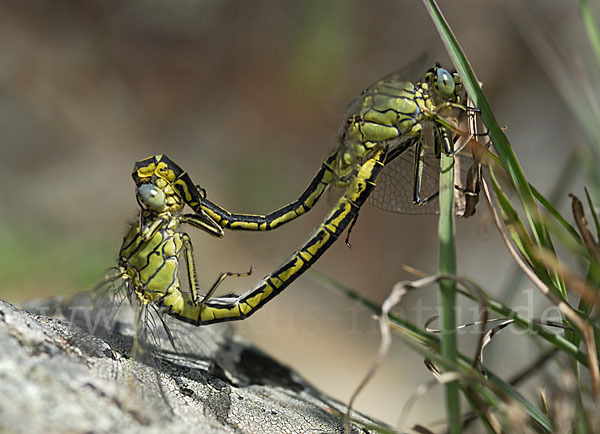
pixel 56 377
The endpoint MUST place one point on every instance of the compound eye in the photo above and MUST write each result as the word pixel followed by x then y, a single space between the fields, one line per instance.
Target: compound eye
pixel 151 197
pixel 445 84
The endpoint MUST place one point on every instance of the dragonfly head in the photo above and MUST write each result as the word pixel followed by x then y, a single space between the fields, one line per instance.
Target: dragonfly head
pixel 157 181
pixel 447 86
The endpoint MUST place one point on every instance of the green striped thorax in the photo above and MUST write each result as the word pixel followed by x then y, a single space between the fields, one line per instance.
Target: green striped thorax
pixel 392 111
pixel 149 255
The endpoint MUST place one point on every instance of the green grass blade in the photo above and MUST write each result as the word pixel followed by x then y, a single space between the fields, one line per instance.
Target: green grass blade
pixel 465 363
pixel 519 234
pixel 447 266
pixel 593 274
pixel 554 212
pixel 432 341
pixel 558 193
pixel 501 144
pixel 593 211
pixel 535 328
pixel 591 27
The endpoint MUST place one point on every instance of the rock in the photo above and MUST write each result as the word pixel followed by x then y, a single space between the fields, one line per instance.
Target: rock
pixel 56 377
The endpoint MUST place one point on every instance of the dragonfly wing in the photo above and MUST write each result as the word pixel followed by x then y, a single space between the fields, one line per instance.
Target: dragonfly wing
pixel 395 184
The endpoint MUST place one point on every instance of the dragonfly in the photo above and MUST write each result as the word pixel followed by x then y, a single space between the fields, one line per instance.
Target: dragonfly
pixel 413 120
pixel 390 118
pixel 150 256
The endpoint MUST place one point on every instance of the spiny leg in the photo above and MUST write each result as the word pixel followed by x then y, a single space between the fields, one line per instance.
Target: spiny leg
pixel 218 282
pixel 188 252
pixel 442 134
pixel 148 232
pixel 204 222
pixel 474 173
pixel 418 175
pixel 196 298
pixel 347 241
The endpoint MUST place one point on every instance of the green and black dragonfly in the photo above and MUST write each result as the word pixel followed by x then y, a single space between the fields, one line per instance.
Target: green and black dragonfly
pixel 389 120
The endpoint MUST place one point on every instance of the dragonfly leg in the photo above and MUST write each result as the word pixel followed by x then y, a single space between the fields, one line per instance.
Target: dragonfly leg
pixel 203 221
pixel 347 241
pixel 446 138
pixel 418 176
pixel 191 266
pixel 456 105
pixel 218 282
pixel 196 298
pixel 148 231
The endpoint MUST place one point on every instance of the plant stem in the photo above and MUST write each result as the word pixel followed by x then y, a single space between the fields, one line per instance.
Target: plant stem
pixel 448 287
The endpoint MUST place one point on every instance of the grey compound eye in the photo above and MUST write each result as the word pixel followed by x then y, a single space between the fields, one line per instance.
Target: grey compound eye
pixel 151 197
pixel 445 83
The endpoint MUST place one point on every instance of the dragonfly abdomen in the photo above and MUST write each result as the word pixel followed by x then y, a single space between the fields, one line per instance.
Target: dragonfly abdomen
pixel 239 307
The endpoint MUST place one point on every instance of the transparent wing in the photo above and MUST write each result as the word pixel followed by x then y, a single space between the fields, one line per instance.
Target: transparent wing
pixel 186 344
pixel 143 331
pixel 98 312
pixel 137 331
pixel 395 185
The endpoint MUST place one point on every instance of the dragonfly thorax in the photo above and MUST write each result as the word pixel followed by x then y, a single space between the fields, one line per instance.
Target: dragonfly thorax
pixel 391 112
pixel 151 264
pixel 385 113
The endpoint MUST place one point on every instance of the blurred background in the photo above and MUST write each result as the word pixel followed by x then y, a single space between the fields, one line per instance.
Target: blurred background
pixel 248 97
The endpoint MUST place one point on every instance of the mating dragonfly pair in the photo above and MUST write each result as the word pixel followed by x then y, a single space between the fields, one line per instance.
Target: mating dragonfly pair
pixel 391 121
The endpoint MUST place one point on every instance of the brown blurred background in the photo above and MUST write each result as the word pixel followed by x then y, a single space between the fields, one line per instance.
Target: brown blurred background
pixel 248 97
